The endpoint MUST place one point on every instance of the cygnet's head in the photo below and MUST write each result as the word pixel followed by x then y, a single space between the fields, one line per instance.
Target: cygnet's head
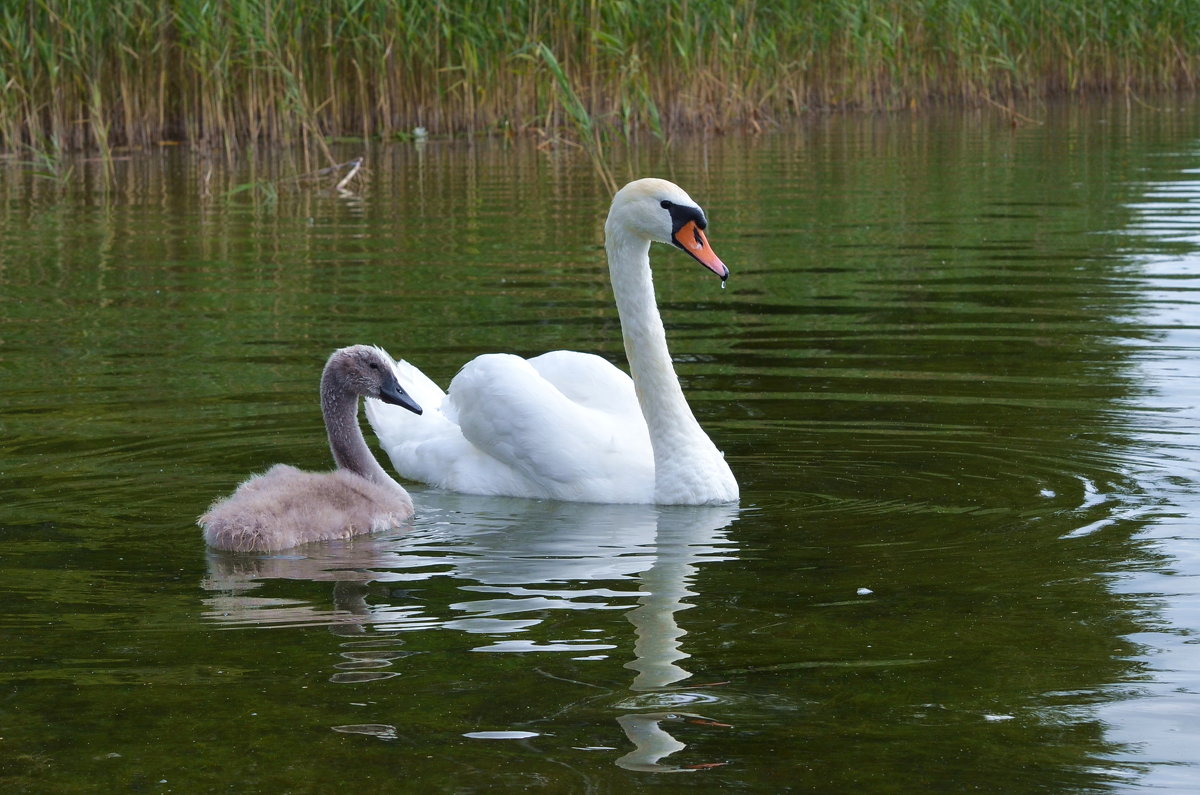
pixel 367 372
pixel 655 209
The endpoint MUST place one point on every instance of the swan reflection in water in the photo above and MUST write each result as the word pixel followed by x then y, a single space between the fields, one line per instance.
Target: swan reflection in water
pixel 652 742
pixel 522 557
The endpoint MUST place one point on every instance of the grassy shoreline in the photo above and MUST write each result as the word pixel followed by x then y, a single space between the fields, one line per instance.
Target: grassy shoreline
pixel 102 74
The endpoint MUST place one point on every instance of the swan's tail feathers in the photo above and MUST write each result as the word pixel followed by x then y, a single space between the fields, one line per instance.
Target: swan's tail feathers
pixel 413 441
pixel 394 425
pixel 418 385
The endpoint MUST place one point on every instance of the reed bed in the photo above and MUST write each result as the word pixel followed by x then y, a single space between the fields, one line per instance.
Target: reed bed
pixel 100 74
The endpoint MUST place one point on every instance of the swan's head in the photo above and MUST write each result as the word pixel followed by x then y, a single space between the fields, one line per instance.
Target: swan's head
pixel 367 372
pixel 654 209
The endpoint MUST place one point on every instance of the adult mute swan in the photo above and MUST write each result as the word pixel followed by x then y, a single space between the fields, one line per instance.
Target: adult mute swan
pixel 284 507
pixel 571 426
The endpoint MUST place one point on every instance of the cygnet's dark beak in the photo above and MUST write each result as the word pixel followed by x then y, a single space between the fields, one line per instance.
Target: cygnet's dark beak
pixel 391 392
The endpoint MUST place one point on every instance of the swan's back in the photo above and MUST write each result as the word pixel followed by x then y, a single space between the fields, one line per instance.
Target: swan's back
pixel 563 425
pixel 285 507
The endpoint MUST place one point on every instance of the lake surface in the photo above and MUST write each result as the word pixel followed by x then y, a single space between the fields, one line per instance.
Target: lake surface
pixel 954 369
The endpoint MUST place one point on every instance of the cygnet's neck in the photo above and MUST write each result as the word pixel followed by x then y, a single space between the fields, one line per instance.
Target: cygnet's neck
pixel 350 451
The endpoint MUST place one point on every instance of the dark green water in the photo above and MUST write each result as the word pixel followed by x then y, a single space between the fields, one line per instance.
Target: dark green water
pixel 955 371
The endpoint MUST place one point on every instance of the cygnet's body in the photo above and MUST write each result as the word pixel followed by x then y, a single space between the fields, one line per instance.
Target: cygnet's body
pixel 284 507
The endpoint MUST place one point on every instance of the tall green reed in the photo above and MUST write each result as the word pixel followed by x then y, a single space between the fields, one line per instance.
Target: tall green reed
pixel 103 74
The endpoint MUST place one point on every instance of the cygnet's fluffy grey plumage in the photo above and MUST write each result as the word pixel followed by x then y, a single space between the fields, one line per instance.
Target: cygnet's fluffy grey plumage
pixel 284 507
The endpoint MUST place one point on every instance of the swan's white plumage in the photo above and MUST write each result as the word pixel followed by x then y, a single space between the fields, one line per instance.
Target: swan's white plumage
pixel 567 425
pixel 493 433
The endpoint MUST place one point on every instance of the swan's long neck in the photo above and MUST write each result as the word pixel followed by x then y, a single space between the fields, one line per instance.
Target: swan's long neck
pixel 346 441
pixel 673 427
pixel 652 744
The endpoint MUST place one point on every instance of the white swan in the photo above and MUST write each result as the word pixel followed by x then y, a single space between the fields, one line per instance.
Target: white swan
pixel 570 426
pixel 284 507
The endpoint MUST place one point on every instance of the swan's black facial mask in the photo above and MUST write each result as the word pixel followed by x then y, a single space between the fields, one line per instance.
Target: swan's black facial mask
pixel 687 233
pixel 680 215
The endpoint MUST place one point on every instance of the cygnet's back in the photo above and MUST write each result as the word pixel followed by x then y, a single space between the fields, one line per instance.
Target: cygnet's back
pixel 284 507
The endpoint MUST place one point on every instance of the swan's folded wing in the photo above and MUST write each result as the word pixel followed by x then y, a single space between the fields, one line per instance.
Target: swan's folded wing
pixel 590 381
pixel 595 449
pixel 430 447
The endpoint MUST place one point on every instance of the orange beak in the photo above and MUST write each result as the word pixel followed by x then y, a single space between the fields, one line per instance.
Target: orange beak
pixel 691 239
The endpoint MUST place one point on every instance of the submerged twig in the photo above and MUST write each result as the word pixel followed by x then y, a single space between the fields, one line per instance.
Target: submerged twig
pixel 354 167
pixel 356 164
pixel 1014 116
